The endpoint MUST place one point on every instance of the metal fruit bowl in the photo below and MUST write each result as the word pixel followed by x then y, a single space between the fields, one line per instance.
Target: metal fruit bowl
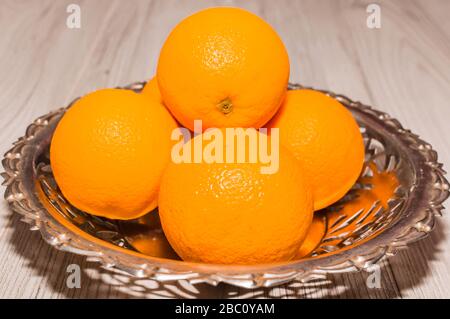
pixel 394 203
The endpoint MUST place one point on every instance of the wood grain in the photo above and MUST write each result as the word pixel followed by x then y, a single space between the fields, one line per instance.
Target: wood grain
pixel 402 68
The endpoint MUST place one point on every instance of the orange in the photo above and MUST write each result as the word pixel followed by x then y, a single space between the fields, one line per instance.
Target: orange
pixel 231 213
pixel 108 153
pixel 225 66
pixel 325 137
pixel 151 89
pixel 314 237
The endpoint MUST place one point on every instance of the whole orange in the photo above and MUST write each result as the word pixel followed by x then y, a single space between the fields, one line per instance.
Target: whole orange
pixel 231 213
pixel 325 137
pixel 225 66
pixel 314 236
pixel 108 153
pixel 151 89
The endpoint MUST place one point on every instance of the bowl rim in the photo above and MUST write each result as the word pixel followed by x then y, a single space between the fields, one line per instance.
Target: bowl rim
pixel 430 190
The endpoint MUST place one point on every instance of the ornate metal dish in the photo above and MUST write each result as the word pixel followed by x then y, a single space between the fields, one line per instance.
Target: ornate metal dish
pixel 394 203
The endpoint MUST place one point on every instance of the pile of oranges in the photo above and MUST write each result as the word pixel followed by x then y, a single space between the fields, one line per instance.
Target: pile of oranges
pixel 112 153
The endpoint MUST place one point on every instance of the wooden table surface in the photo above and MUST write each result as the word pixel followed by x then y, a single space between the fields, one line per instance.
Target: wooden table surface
pixel 402 68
